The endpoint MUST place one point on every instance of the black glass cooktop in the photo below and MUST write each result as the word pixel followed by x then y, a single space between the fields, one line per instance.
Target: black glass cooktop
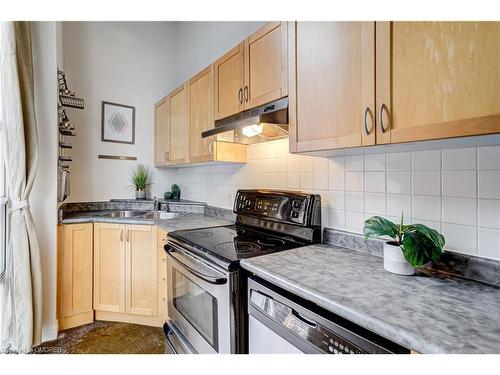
pixel 234 242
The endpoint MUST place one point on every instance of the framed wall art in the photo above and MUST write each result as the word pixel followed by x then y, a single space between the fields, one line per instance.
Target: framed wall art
pixel 117 123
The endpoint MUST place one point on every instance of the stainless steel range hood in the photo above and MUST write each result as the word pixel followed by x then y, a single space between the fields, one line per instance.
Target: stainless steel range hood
pixel 265 123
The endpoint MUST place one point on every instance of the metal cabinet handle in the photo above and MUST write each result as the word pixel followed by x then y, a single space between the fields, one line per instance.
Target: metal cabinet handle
pixel 246 94
pixel 166 155
pixel 240 96
pixel 121 235
pixel 211 147
pixel 380 119
pixel 367 110
pixel 128 231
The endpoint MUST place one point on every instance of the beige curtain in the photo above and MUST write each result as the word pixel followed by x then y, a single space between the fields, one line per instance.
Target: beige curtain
pixel 21 289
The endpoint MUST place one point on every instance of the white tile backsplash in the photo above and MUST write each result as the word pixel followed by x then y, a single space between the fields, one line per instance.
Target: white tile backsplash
pixel 336 180
pixel 354 181
pixel 375 203
pixel 355 202
pixel 454 191
pixel 375 162
pixel 488 184
pixel 462 158
pixel 398 204
pixel 399 161
pixel 488 213
pixel 399 182
pixel 337 200
pixel 488 157
pixel 426 160
pixel 460 238
pixel 354 163
pixel 426 208
pixel 459 184
pixel 375 182
pixel 488 243
pixel 426 183
pixel 459 211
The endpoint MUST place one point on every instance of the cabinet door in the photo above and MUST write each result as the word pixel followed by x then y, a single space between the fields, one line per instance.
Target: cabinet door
pixel 75 275
pixel 109 267
pixel 178 115
pixel 331 85
pixel 162 133
pixel 437 79
pixel 141 276
pixel 229 75
pixel 266 68
pixel 201 114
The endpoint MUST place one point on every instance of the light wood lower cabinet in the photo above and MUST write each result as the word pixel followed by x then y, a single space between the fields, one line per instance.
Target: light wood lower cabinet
pixel 128 271
pixel 109 267
pixel 141 276
pixel 126 277
pixel 74 275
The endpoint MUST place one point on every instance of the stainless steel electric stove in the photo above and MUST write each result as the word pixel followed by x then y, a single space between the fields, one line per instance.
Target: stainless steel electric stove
pixel 207 288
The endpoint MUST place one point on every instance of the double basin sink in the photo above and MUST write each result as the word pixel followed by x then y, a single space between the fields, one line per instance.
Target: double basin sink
pixel 148 215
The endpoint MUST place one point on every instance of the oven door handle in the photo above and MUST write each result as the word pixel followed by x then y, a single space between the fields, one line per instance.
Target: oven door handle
pixel 208 278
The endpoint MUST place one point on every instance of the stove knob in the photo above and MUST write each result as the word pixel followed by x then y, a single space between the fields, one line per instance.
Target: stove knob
pixel 330 348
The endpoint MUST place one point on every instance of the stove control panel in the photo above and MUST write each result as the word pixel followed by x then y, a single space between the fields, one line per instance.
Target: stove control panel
pixel 274 205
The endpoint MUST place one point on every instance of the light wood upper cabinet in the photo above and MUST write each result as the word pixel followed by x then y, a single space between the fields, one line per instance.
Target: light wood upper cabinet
pixel 171 119
pixel 141 275
pixel 109 267
pixel 437 79
pixel 178 120
pixel 75 275
pixel 331 85
pixel 229 78
pixel 253 73
pixel 201 118
pixel 161 133
pixel 266 65
pixel 201 114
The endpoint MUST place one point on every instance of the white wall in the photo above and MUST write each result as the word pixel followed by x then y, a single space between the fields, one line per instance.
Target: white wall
pixel 131 63
pixel 43 198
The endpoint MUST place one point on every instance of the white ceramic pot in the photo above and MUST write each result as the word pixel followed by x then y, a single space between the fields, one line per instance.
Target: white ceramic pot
pixel 140 194
pixel 395 261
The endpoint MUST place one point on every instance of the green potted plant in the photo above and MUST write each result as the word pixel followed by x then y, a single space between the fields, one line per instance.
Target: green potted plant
pixel 141 179
pixel 412 245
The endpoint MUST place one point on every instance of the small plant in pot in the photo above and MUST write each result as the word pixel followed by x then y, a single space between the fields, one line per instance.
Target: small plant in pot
pixel 412 245
pixel 141 179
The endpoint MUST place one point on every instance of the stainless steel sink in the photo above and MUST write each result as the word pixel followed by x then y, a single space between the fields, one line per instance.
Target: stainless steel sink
pixel 131 213
pixel 160 215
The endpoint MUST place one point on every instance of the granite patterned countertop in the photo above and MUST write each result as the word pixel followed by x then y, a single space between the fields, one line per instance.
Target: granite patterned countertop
pixel 183 221
pixel 429 314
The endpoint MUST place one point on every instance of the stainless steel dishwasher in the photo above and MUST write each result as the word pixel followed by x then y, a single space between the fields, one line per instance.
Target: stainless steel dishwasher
pixel 281 323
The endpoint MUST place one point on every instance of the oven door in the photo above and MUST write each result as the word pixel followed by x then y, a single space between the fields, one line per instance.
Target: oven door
pixel 200 304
